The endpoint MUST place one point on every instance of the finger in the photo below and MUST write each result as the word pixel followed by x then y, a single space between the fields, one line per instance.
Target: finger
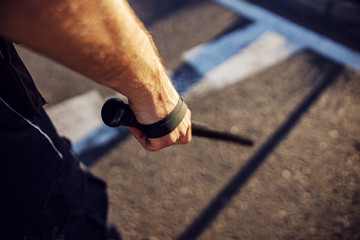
pixel 186 134
pixel 181 135
pixel 139 136
pixel 150 144
pixel 159 143
pixel 187 138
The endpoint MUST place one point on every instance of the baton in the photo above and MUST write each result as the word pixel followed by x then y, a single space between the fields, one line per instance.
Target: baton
pixel 116 113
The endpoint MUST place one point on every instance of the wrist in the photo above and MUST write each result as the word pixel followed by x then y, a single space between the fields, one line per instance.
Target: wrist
pixel 167 124
pixel 155 103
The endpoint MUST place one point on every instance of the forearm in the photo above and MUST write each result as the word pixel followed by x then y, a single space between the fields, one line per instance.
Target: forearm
pixel 102 40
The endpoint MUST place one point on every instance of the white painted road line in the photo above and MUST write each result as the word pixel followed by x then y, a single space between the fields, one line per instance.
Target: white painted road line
pixel 102 136
pixel 76 117
pixel 268 49
pixel 79 120
pixel 207 56
pixel 272 38
pixel 295 33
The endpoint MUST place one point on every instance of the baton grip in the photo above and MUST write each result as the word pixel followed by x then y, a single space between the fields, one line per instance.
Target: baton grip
pixel 115 113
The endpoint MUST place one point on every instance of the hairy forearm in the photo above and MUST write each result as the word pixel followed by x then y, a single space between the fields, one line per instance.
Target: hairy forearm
pixel 102 40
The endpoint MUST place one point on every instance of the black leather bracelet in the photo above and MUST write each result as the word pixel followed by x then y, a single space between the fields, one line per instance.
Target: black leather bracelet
pixel 168 124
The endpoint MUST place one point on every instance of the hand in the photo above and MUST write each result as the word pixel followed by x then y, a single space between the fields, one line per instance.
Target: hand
pixel 181 135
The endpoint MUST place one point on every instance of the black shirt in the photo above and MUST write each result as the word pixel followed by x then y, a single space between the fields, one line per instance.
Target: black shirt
pixel 17 87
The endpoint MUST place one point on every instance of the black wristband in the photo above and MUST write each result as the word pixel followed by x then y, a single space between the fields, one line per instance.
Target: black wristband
pixel 168 124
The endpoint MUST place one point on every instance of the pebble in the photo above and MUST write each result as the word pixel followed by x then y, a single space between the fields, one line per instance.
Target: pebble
pixel 301 177
pixel 286 174
pixel 219 225
pixel 184 190
pixel 232 212
pixel 349 162
pixel 341 112
pixel 235 130
pixel 114 170
pixel 282 214
pixel 323 144
pixel 244 205
pixel 166 177
pixel 146 200
pixel 306 196
pixel 334 133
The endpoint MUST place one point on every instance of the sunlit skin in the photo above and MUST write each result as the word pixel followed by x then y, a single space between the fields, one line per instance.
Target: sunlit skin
pixel 106 42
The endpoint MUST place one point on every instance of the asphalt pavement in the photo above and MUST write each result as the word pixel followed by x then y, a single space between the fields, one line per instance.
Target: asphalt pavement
pixel 246 68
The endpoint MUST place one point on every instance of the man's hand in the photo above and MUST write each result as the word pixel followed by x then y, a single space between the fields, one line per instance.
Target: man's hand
pixel 149 112
pixel 181 135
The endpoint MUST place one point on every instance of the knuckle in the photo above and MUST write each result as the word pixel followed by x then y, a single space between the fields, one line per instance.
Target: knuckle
pixel 182 134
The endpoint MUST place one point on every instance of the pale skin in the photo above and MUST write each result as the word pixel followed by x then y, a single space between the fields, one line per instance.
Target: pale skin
pixel 106 42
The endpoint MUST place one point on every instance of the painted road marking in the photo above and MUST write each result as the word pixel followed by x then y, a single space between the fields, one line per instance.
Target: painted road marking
pixel 207 56
pixel 295 33
pixel 265 51
pixel 79 120
pixel 101 137
pixel 76 117
pixel 231 58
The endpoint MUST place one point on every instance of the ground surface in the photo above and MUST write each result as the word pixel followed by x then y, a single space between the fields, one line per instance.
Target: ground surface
pixel 306 186
pixel 299 181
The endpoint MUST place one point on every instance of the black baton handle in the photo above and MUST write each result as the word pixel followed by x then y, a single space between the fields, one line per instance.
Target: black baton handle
pixel 116 113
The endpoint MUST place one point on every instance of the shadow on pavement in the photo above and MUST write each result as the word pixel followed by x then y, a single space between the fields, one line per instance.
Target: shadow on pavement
pixel 325 20
pixel 331 71
pixel 153 10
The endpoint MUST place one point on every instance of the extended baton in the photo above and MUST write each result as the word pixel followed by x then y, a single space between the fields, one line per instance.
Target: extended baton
pixel 116 113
